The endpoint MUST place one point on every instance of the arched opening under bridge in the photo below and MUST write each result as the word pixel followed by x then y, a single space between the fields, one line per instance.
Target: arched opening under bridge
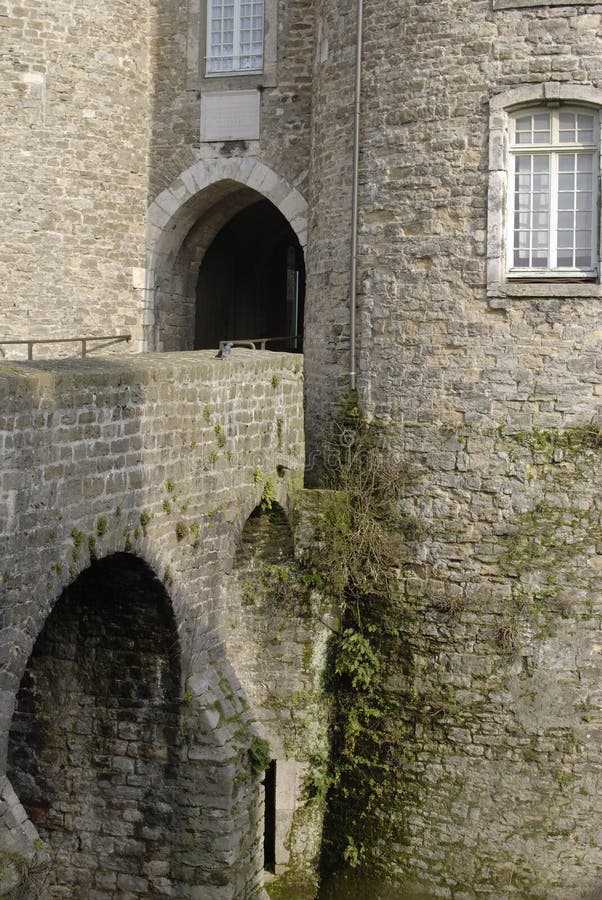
pixel 93 744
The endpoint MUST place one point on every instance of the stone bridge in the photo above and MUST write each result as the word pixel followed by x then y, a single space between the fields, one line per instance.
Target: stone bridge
pixel 139 679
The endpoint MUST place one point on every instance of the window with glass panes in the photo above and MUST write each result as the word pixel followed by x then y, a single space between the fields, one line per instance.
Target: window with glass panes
pixel 553 193
pixel 234 36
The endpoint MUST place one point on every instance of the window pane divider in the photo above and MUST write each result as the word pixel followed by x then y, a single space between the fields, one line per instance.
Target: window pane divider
pixel 553 216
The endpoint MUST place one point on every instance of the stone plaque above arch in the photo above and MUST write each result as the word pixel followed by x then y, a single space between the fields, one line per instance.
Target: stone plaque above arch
pixel 230 116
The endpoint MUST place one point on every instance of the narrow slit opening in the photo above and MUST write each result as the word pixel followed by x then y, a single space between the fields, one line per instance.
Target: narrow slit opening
pixel 269 833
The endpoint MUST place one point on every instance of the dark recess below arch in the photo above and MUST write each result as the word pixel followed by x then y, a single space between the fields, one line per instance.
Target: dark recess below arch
pixel 251 282
pixel 92 747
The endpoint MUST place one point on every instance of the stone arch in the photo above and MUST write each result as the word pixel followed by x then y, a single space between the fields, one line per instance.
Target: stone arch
pixel 93 743
pixel 116 766
pixel 265 547
pixel 184 219
pixel 270 641
pixel 265 539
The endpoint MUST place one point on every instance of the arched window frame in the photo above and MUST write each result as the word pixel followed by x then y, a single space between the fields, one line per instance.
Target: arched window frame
pixel 503 277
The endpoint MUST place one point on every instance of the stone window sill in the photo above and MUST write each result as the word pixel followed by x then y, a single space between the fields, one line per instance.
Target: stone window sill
pixel 498 293
pixel 235 81
pixel 525 4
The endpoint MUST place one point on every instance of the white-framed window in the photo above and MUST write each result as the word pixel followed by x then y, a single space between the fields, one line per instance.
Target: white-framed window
pixel 235 30
pixel 543 209
pixel 553 193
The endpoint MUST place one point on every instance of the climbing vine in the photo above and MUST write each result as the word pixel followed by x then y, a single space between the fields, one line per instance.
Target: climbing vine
pixel 363 543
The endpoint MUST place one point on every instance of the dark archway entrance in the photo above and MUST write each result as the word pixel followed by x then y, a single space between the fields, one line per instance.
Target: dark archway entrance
pixel 93 743
pixel 252 282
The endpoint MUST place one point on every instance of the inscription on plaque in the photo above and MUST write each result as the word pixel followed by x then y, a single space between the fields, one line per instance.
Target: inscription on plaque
pixel 230 116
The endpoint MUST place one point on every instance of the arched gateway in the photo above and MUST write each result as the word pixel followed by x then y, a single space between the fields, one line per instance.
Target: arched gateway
pixel 250 226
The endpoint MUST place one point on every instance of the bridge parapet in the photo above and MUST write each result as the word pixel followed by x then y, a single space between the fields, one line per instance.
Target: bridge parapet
pixel 125 451
pixel 163 457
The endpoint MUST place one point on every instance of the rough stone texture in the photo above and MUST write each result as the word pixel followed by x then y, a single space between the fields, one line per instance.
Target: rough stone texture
pixel 326 344
pixel 502 666
pixel 502 631
pixel 505 751
pixel 285 108
pixel 197 187
pixel 278 634
pixel 423 193
pixel 74 115
pixel 93 749
pixel 161 459
pixel 98 119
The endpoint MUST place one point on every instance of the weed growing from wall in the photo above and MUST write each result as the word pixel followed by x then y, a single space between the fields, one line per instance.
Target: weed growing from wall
pixel 259 755
pixel 22 876
pixel 364 544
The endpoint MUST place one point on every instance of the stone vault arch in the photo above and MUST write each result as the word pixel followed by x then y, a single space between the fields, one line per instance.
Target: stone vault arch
pixel 118 758
pixel 182 222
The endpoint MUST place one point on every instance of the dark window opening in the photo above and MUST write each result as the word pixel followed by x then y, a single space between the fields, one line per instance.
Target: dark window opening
pixel 269 833
pixel 252 282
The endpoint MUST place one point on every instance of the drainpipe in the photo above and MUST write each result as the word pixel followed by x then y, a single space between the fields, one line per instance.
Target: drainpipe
pixel 354 192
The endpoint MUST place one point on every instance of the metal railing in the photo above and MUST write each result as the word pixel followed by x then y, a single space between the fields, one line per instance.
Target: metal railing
pixel 296 340
pixel 114 338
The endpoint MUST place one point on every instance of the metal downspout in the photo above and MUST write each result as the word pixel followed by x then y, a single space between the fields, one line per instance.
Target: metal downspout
pixel 354 192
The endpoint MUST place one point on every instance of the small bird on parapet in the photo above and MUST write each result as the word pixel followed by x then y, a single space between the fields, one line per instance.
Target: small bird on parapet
pixel 224 351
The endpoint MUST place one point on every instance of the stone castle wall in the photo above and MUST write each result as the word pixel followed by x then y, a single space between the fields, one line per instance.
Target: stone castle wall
pixel 427 83
pixel 177 95
pixel 490 396
pixel 197 185
pixel 101 115
pixel 75 116
pixel 502 614
pixel 328 257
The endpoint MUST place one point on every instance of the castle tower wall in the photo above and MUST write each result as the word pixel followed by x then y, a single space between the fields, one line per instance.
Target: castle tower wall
pixel 74 183
pixel 490 391
pixel 427 82
pixel 328 257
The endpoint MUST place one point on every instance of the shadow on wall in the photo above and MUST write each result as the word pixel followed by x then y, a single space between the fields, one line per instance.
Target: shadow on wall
pixel 252 282
pixel 93 745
